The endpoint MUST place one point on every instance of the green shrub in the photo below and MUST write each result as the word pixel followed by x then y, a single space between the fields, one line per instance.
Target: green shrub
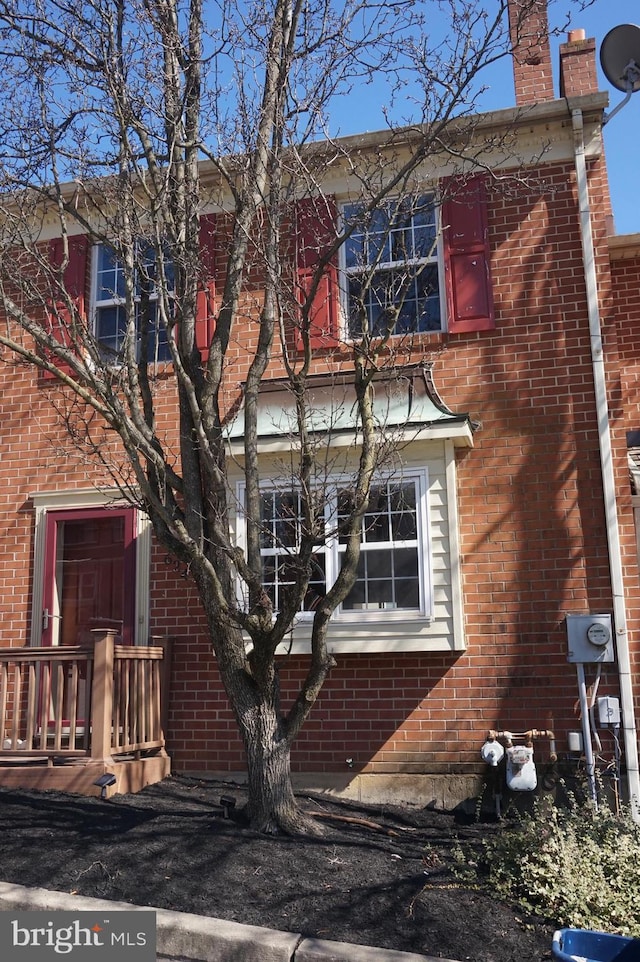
pixel 576 867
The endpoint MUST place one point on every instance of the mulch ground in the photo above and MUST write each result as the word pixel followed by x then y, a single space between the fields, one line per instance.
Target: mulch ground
pixel 382 876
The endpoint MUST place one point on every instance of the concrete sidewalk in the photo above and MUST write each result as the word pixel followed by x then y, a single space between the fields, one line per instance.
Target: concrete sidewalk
pixel 196 938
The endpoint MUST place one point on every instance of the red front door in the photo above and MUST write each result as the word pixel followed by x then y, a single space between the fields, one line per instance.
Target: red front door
pixel 89 574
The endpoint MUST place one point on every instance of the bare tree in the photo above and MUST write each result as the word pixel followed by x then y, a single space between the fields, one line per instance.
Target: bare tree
pixel 127 122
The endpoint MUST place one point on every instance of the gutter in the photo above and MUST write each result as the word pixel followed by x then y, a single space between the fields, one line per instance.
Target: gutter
pixel 608 483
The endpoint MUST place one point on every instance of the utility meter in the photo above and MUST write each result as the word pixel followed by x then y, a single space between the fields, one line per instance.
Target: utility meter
pixel 492 752
pixel 598 634
pixel 521 770
pixel 590 638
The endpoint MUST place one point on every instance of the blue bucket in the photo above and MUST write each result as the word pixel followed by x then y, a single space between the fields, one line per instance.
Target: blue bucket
pixel 581 945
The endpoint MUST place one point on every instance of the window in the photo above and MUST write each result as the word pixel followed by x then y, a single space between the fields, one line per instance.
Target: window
pixel 393 571
pixel 281 522
pixel 110 308
pixel 389 566
pixel 391 267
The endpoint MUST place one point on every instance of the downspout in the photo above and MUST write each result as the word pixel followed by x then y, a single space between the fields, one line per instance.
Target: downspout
pixel 606 463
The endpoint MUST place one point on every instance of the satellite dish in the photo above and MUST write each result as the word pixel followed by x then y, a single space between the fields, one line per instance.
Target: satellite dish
pixel 620 57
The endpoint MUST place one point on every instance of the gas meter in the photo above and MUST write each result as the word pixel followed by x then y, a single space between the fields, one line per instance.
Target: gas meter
pixel 521 771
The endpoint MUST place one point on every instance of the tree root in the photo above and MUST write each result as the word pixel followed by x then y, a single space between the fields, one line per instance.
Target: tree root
pixel 365 822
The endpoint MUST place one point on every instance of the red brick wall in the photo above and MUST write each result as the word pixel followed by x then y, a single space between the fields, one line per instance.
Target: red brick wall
pixel 578 75
pixel 626 307
pixel 529 33
pixel 625 273
pixel 532 530
pixel 531 522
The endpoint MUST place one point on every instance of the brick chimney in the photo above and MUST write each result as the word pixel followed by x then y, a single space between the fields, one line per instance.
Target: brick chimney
pixel 529 33
pixel 578 73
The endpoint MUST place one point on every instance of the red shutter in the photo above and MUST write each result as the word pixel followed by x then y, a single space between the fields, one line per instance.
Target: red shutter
pixel 205 309
pixel 466 257
pixel 316 222
pixel 75 281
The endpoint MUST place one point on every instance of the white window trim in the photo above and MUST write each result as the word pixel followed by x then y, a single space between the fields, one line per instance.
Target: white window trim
pixel 47 501
pixel 437 259
pixel 332 554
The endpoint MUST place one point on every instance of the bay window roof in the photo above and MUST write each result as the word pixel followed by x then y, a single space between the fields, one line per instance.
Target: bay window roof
pixel 406 403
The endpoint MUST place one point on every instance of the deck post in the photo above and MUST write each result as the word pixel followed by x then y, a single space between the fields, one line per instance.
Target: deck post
pixel 165 682
pixel 102 695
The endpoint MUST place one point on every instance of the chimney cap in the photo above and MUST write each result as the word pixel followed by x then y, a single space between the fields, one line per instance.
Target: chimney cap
pixel 575 36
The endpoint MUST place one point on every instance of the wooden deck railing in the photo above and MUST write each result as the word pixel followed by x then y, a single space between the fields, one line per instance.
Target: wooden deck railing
pixel 98 701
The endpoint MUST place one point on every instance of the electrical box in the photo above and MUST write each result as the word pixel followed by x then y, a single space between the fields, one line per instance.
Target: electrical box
pixel 574 742
pixel 590 639
pixel 608 710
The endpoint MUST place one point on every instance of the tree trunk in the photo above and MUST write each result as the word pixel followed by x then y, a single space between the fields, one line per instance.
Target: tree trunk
pixel 254 695
pixel 272 806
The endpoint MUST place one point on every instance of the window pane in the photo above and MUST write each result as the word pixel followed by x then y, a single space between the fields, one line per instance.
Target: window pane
pixel 388 579
pixel 406 580
pixel 379 564
pixel 384 295
pixel 356 599
pixel 376 527
pixel 402 497
pixel 278 574
pixel 110 275
pixel 280 520
pixel 157 340
pixel 287 520
pixel 424 228
pixel 373 589
pixel 147 271
pixel 402 503
pixel 269 578
pixel 412 293
pixel 111 325
pixel 318 585
pixel 354 250
pixel 405 563
pixel 376 520
pixel 267 514
pixel 404 527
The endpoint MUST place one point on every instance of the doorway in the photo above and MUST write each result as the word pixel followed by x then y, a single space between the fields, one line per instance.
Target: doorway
pixel 89 574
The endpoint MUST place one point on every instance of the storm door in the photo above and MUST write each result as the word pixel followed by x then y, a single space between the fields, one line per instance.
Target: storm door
pixel 89 574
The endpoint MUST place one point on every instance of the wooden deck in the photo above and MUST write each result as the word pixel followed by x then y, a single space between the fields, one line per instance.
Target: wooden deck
pixel 69 715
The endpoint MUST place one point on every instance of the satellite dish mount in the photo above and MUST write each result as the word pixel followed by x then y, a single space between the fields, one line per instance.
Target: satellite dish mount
pixel 620 61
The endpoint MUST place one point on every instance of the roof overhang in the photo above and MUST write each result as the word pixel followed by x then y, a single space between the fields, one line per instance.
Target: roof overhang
pixel 406 408
pixel 624 247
